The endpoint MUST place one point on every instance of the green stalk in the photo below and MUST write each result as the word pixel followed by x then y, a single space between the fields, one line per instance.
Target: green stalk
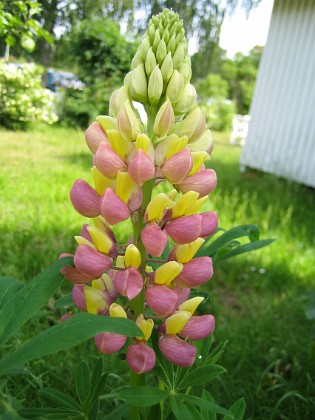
pixel 137 304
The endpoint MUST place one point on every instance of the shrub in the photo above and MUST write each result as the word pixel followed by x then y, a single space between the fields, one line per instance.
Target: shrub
pixel 219 114
pixel 22 97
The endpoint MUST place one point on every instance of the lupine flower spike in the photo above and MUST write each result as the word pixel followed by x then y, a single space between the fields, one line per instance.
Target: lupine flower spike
pixel 130 158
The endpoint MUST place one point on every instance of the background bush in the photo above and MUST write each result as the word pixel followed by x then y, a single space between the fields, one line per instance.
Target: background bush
pixel 219 114
pixel 22 97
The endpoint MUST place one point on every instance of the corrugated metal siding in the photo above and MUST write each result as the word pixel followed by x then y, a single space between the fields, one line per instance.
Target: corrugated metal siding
pixel 281 138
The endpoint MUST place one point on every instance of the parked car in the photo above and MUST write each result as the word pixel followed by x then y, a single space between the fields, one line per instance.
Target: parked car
pixel 63 79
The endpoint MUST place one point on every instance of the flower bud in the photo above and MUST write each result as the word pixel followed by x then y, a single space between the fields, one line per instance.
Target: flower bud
pixel 177 168
pixel 132 257
pixel 172 44
pixel 154 239
pixel 155 86
pixel 178 56
pixel 161 299
pixel 139 84
pixel 175 87
pixel 184 229
pixel 144 47
pixel 192 126
pixel 209 223
pixel 117 311
pixel 108 343
pixel 161 51
pixel 117 99
pixel 91 262
pixel 156 41
pixel 167 67
pixel 205 143
pixel 94 135
pixel 140 357
pixel 128 123
pixel 196 272
pixel 108 162
pixel 85 199
pixel 137 59
pixel 177 351
pixel 150 62
pixel 186 101
pixel 112 208
pixel 128 282
pixel 202 182
pixel 164 119
pixel 198 327
pixel 141 167
pixel 167 272
pixel 185 69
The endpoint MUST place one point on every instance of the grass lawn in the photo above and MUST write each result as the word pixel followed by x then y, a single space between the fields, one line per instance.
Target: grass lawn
pixel 257 298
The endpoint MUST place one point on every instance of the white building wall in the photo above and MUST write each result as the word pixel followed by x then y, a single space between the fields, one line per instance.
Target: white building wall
pixel 281 137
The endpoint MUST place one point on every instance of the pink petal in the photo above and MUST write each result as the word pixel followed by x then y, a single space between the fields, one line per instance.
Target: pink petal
pixel 94 135
pixel 91 262
pixel 128 282
pixel 65 317
pixel 85 233
pixel 196 272
pixel 108 343
pixel 177 168
pixel 161 299
pixel 108 162
pixel 209 223
pixel 177 351
pixel 141 167
pixel 198 327
pixel 78 296
pixel 140 357
pixel 75 276
pixel 182 293
pixel 184 229
pixel 154 239
pixel 112 208
pixel 135 199
pixel 203 182
pixel 85 199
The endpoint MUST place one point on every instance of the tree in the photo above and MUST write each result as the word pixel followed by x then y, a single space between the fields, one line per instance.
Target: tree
pixel 17 23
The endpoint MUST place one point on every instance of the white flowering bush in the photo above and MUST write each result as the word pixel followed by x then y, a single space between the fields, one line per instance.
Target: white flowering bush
pixel 22 97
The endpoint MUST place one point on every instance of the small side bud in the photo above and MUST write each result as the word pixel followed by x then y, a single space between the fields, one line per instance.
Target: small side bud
pixel 132 257
pixel 175 86
pixel 164 119
pixel 161 51
pixel 128 123
pixel 139 84
pixel 150 62
pixel 155 87
pixel 167 67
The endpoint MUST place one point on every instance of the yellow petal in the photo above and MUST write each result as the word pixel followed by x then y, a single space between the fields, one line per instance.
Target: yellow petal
pixel 119 144
pixel 176 322
pixel 157 206
pixel 100 181
pixel 132 256
pixel 146 326
pixel 198 159
pixel 194 208
pixel 82 241
pixel 117 311
pixel 184 253
pixel 144 143
pixel 167 272
pixel 120 261
pixel 94 299
pixel 191 305
pixel 101 241
pixel 125 186
pixel 184 203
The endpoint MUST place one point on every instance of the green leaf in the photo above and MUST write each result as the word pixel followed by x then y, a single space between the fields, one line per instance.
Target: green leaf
pixel 210 406
pixel 9 286
pixel 47 413
pixel 65 300
pixel 58 399
pixel 180 410
pixel 82 380
pixel 30 299
pixel 237 409
pixel 9 407
pixel 206 415
pixel 253 246
pixel 121 412
pixel 70 333
pixel 202 376
pixel 10 40
pixel 203 348
pixel 28 43
pixel 195 413
pixel 216 353
pixel 142 396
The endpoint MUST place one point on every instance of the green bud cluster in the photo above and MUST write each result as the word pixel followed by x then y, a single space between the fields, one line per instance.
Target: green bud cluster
pixel 161 67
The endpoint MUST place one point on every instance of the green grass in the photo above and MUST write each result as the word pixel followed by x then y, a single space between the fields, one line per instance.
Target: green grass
pixel 256 298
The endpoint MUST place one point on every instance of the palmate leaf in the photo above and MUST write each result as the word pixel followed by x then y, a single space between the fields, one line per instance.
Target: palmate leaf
pixel 180 410
pixel 201 376
pixel 70 333
pixel 237 409
pixel 225 246
pixel 142 396
pixel 206 405
pixel 20 307
pixel 58 399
